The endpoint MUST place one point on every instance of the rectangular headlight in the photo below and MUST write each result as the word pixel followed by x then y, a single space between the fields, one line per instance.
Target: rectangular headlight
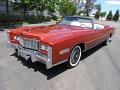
pixel 43 47
pixel 17 38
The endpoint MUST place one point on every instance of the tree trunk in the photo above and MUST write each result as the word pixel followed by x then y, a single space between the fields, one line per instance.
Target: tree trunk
pixel 7 7
pixel 87 12
pixel 35 13
pixel 87 6
pixel 24 12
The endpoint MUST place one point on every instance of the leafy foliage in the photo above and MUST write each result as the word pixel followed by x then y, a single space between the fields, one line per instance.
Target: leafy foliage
pixel 66 7
pixel 89 6
pixel 109 16
pixel 102 14
pixel 98 7
pixel 40 5
pixel 10 18
pixel 52 6
pixel 97 14
pixel 116 16
pixel 21 4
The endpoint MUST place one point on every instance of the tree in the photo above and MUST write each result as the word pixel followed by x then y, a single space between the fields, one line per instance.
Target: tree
pixel 89 5
pixel 40 5
pixel 21 4
pixel 102 14
pixel 116 16
pixel 7 9
pixel 98 7
pixel 109 16
pixel 52 6
pixel 98 12
pixel 81 12
pixel 66 7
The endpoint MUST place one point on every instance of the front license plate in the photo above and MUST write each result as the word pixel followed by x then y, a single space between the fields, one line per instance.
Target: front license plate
pixel 27 54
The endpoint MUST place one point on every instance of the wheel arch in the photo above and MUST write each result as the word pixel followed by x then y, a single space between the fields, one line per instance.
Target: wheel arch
pixel 82 45
pixel 110 34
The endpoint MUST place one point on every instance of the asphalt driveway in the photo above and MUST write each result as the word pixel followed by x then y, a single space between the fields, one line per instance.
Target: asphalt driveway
pixel 98 70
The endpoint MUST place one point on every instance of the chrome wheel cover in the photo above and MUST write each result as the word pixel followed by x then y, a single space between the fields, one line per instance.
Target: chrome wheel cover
pixel 75 56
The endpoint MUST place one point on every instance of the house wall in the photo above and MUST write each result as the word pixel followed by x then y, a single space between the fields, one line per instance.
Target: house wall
pixel 3 8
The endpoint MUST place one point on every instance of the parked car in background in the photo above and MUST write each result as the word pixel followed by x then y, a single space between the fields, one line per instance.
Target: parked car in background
pixel 59 43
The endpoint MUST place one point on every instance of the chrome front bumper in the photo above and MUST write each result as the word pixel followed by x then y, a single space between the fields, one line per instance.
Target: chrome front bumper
pixel 34 55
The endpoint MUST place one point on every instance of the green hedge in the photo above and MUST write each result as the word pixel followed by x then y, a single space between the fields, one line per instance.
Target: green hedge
pixel 4 18
pixel 10 18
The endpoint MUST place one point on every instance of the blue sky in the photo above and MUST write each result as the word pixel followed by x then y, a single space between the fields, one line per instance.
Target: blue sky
pixel 108 5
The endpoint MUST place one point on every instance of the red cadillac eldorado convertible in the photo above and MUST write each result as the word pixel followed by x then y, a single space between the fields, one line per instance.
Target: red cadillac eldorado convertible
pixel 62 42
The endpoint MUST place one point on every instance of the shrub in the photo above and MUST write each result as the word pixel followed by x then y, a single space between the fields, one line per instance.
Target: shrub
pixel 14 18
pixel 47 18
pixel 3 18
pixel 54 17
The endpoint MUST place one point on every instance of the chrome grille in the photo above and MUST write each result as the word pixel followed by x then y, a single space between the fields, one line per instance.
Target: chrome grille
pixel 28 43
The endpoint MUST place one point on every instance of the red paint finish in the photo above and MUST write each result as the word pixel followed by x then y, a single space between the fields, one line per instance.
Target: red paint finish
pixel 61 37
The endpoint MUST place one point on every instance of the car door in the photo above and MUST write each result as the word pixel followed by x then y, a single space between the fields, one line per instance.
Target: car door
pixel 94 37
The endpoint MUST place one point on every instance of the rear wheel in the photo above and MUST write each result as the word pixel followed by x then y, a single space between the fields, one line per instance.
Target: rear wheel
pixel 74 57
pixel 108 40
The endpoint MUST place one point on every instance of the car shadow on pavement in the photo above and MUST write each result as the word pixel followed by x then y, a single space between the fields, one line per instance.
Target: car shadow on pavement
pixel 1 29
pixel 91 51
pixel 51 73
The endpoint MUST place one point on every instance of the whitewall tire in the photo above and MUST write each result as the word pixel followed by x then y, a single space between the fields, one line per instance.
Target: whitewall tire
pixel 75 57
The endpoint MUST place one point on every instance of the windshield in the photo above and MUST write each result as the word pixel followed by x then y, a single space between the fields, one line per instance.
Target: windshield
pixel 77 21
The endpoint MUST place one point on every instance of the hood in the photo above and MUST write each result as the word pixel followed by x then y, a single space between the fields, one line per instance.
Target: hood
pixel 50 34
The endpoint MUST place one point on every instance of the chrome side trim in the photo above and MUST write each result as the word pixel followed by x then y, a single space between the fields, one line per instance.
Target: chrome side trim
pixel 60 62
pixel 96 39
pixel 94 45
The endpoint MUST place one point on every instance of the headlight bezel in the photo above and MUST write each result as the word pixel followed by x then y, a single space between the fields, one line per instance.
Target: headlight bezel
pixel 43 47
pixel 17 38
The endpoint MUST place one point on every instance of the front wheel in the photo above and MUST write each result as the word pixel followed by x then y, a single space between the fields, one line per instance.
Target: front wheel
pixel 74 57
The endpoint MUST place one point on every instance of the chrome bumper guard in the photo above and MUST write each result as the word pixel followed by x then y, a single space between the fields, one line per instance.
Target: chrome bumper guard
pixel 27 53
